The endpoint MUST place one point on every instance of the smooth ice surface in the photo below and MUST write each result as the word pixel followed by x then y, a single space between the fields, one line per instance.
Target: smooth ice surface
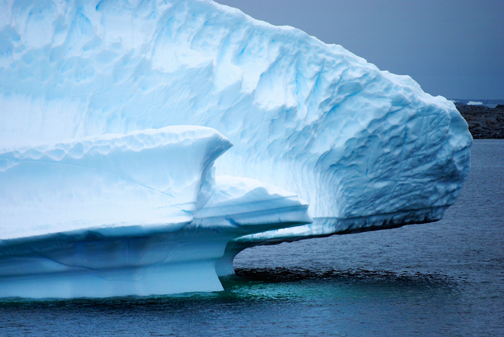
pixel 134 214
pixel 248 203
pixel 149 177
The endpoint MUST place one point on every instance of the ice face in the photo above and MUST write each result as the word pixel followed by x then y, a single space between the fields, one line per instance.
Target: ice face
pixel 138 214
pixel 311 118
pixel 364 148
pixel 106 181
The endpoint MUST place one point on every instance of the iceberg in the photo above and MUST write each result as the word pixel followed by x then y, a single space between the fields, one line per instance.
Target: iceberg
pixel 116 215
pixel 117 175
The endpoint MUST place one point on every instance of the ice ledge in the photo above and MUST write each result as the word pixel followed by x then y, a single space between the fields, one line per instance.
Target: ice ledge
pixel 134 214
pixel 328 226
pixel 321 227
pixel 122 261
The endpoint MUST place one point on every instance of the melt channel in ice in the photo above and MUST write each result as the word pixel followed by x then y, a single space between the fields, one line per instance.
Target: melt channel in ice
pixel 365 148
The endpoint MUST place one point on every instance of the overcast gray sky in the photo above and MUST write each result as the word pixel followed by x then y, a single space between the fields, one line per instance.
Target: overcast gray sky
pixel 453 48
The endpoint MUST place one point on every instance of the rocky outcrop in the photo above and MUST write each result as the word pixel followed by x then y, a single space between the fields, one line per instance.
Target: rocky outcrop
pixel 484 122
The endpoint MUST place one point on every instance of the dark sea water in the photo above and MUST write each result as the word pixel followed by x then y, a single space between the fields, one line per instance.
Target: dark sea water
pixel 439 279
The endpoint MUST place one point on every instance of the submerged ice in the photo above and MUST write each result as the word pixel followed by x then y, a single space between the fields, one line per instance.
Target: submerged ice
pixel 97 165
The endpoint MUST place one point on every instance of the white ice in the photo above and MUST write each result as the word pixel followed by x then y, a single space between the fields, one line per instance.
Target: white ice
pixel 365 149
pixel 149 177
pixel 138 214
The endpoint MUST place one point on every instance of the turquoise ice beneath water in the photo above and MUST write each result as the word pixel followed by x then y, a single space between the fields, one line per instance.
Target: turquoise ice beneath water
pixel 117 175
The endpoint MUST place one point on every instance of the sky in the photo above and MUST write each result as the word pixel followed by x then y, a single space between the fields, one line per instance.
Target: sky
pixel 452 48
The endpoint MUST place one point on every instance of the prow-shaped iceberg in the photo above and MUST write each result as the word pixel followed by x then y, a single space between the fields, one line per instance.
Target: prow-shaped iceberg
pixel 364 148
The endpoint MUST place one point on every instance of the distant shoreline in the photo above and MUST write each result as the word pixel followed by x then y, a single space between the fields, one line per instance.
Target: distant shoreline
pixel 484 122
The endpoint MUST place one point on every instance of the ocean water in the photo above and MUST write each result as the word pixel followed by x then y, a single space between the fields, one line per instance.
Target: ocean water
pixel 439 279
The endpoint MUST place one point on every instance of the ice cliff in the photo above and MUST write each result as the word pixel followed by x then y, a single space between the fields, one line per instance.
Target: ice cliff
pixel 87 90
